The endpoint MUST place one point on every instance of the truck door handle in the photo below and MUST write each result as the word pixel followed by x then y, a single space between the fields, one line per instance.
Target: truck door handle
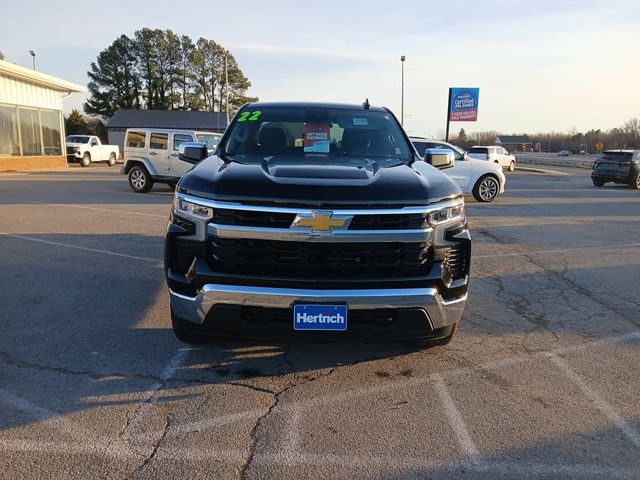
pixel 152 153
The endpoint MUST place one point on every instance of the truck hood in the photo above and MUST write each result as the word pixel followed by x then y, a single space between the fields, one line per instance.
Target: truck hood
pixel 317 180
pixel 68 144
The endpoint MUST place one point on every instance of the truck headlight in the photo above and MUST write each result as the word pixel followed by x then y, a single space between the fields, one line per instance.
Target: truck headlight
pixel 185 207
pixel 452 214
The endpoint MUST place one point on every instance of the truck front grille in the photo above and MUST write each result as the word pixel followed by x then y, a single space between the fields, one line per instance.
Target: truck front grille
pixel 266 219
pixel 311 259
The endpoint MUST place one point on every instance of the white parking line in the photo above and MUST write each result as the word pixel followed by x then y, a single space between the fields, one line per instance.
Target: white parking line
pixel 140 196
pixel 78 247
pixel 559 250
pixel 337 397
pixel 149 397
pixel 42 414
pixel 110 210
pixel 611 413
pixel 455 419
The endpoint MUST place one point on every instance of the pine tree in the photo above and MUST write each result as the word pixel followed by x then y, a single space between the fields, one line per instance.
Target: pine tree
pixel 75 124
pixel 115 81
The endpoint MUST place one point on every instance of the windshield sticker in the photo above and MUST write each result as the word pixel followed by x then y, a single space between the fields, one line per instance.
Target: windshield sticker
pixel 360 122
pixel 251 116
pixel 316 138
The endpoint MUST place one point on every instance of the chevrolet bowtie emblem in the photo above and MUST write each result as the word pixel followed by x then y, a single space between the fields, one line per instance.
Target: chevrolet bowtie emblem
pixel 322 222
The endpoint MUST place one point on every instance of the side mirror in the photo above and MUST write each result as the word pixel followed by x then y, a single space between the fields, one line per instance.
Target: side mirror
pixel 191 152
pixel 439 158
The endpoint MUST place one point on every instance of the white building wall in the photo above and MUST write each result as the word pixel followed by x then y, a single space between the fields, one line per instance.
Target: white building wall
pixel 21 93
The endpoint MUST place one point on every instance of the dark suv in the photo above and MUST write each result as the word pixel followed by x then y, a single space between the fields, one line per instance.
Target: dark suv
pixel 316 220
pixel 618 166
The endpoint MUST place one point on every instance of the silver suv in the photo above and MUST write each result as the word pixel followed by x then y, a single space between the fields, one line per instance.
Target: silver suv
pixel 151 155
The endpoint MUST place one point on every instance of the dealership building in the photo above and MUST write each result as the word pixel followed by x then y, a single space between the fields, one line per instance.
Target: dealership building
pixel 31 118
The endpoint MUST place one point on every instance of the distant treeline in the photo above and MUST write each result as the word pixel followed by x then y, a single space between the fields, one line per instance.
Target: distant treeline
pixel 626 136
pixel 160 70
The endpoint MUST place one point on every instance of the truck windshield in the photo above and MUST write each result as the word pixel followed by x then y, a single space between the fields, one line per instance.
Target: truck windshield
pixel 322 132
pixel 77 139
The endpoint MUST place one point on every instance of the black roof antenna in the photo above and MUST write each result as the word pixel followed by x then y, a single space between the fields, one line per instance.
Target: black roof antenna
pixel 366 105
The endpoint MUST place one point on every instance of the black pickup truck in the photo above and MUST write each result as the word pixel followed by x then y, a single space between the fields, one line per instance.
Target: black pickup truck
pixel 315 220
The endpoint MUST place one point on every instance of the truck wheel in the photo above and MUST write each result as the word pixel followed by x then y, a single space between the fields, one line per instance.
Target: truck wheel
pixel 598 183
pixel 139 179
pixel 112 159
pixel 486 189
pixel 185 336
pixel 86 160
pixel 512 166
pixel 636 182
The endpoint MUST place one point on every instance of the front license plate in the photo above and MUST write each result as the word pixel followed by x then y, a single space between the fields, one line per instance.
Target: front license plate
pixel 320 317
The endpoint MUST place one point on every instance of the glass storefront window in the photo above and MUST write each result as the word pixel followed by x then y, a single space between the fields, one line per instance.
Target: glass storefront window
pixel 30 132
pixel 51 132
pixel 9 141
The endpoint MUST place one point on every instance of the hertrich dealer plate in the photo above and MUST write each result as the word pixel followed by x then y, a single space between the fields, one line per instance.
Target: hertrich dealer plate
pixel 320 317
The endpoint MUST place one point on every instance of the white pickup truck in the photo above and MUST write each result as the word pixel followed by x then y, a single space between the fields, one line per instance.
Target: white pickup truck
pixel 88 148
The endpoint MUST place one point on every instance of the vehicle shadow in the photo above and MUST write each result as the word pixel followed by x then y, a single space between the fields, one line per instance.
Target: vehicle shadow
pixel 84 329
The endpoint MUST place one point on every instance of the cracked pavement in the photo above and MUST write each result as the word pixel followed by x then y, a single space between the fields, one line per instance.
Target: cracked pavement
pixel 541 381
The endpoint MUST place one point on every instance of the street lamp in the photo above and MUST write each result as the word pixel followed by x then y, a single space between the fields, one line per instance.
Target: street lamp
pixel 33 54
pixel 402 92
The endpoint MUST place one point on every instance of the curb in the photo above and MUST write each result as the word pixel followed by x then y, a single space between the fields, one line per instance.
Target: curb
pixel 541 171
pixel 559 163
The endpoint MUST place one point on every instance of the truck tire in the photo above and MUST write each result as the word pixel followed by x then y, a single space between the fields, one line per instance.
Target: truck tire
pixel 139 179
pixel 635 182
pixel 598 183
pixel 86 160
pixel 512 166
pixel 112 159
pixel 486 189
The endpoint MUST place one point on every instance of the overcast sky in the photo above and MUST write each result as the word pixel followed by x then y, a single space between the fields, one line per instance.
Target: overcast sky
pixel 540 66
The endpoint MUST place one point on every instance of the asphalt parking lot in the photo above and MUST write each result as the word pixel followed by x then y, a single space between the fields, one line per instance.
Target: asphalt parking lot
pixel 542 380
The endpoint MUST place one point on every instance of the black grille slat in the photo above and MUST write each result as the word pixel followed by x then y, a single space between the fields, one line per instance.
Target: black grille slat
pixel 412 221
pixel 243 218
pixel 182 254
pixel 311 259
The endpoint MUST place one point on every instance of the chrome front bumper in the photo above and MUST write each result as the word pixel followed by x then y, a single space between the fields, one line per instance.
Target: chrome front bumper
pixel 441 313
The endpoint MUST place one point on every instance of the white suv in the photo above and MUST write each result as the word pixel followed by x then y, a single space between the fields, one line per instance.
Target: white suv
pixel 495 155
pixel 484 180
pixel 151 155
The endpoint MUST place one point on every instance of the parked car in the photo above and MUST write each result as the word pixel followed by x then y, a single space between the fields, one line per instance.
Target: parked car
pixel 494 155
pixel 151 155
pixel 316 219
pixel 482 179
pixel 88 149
pixel 564 153
pixel 617 166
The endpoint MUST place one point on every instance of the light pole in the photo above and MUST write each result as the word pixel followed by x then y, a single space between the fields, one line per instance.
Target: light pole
pixel 33 54
pixel 226 85
pixel 402 92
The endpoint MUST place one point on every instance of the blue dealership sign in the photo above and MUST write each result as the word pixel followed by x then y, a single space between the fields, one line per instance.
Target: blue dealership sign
pixel 464 104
